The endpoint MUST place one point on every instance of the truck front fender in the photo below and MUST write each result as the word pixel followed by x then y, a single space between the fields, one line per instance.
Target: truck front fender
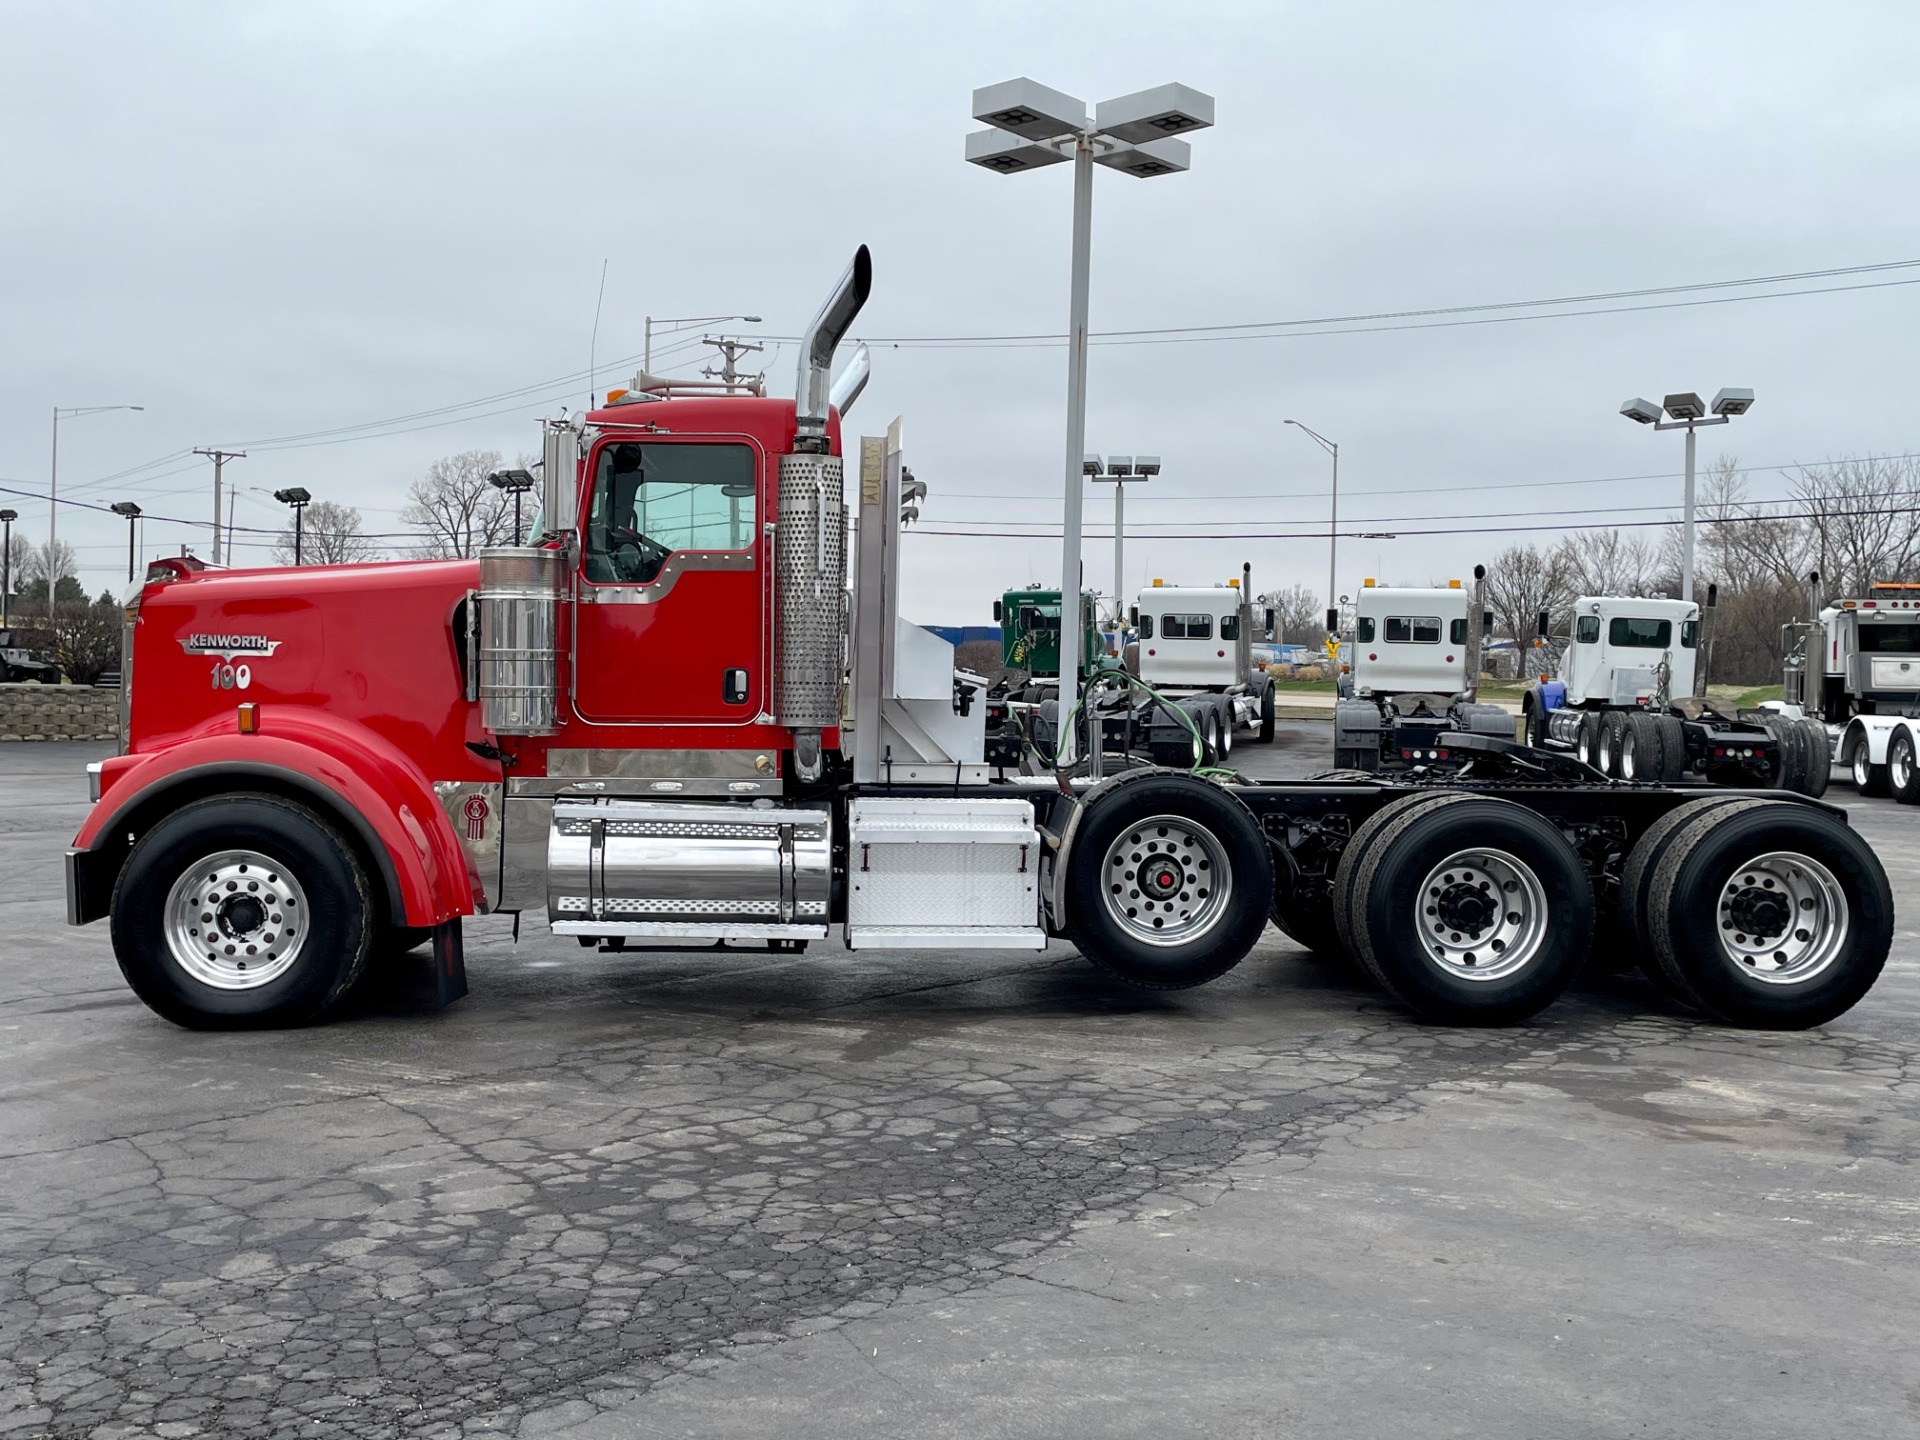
pixel 354 777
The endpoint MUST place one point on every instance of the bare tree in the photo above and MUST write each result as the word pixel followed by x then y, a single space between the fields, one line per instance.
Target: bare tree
pixel 1610 562
pixel 1524 580
pixel 20 557
pixel 330 534
pixel 456 508
pixel 1862 521
pixel 1298 616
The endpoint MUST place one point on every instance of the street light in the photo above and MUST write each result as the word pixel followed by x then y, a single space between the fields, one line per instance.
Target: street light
pixel 7 517
pixel 1687 413
pixel 1121 469
pixel 1034 126
pixel 516 483
pixel 131 511
pixel 71 412
pixel 299 499
pixel 1333 514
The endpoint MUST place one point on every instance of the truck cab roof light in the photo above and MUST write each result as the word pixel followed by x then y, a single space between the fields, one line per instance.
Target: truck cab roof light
pixel 1453 584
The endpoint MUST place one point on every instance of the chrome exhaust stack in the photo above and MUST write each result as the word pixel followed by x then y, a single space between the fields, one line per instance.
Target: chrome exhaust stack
pixel 811 547
pixel 848 384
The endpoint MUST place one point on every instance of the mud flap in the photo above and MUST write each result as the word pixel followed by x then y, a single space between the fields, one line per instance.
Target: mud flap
pixel 449 963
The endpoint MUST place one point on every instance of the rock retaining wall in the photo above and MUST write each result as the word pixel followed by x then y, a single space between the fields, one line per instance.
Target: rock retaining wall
pixel 57 712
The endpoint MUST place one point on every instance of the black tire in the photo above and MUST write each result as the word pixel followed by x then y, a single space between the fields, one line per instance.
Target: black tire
pixel 1307 925
pixel 1903 768
pixel 1587 744
pixel 1717 856
pixel 1553 916
pixel 1819 757
pixel 1116 944
pixel 1794 771
pixel 1643 749
pixel 1637 874
pixel 1267 703
pixel 1536 718
pixel 340 926
pixel 1613 730
pixel 1673 748
pixel 1223 728
pixel 1356 851
pixel 1868 778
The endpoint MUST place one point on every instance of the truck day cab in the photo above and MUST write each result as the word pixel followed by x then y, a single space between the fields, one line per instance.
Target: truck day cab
pixel 1856 669
pixel 639 724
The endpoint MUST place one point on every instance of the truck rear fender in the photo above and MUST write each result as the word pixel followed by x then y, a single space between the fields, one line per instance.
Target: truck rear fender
pixel 359 780
pixel 1872 731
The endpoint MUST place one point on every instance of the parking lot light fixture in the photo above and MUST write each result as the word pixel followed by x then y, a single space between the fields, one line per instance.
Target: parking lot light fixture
pixel 131 513
pixel 299 499
pixel 1688 413
pixel 7 517
pixel 1333 514
pixel 1034 126
pixel 1121 470
pixel 516 483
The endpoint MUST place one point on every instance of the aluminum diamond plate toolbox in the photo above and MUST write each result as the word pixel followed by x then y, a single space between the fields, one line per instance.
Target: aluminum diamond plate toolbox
pixel 943 873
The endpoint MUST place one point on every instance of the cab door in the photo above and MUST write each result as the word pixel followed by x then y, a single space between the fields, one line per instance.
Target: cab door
pixel 671 620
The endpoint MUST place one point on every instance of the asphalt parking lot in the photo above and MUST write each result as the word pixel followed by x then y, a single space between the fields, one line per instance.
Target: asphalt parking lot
pixel 962 1194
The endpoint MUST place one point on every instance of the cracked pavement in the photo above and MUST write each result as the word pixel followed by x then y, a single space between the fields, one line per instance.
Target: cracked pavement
pixel 958 1194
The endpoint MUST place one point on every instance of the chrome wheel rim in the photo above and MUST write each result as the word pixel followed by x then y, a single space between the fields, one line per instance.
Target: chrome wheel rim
pixel 1166 880
pixel 1481 914
pixel 1226 735
pixel 1582 749
pixel 237 920
pixel 1862 765
pixel 1900 764
pixel 1783 918
pixel 1628 752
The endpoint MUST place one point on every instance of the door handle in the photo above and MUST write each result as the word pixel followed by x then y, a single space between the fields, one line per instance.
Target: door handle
pixel 734 686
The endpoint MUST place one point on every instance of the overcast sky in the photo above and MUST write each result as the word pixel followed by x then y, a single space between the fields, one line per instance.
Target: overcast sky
pixel 262 220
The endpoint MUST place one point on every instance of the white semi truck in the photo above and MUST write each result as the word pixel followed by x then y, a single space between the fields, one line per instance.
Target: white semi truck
pixel 1411 676
pixel 1627 700
pixel 1856 670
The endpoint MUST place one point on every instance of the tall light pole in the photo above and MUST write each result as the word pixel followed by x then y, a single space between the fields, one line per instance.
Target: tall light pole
pixel 516 483
pixel 1687 413
pixel 299 499
pixel 1134 134
pixel 131 513
pixel 1120 469
pixel 1333 514
pixel 7 517
pixel 70 412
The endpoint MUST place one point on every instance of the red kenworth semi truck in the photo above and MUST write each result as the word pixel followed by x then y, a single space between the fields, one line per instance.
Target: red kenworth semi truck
pixel 669 720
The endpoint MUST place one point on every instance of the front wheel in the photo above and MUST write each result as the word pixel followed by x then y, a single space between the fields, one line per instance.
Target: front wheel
pixel 1169 882
pixel 241 911
pixel 1267 703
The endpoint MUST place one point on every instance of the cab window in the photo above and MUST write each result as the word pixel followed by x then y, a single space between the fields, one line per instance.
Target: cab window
pixel 1413 629
pixel 1146 627
pixel 1186 627
pixel 1634 634
pixel 1878 638
pixel 1457 632
pixel 1689 634
pixel 1588 632
pixel 651 500
pixel 1363 629
pixel 1229 627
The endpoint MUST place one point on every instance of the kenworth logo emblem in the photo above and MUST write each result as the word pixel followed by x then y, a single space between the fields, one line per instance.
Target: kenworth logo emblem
pixel 229 647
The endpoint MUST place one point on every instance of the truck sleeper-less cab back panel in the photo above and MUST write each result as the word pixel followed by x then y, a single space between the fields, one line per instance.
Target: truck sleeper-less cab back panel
pixel 1409 641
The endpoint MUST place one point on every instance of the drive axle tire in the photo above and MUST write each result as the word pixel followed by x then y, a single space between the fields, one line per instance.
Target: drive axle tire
pixel 242 911
pixel 1868 778
pixel 1673 748
pixel 1775 916
pixel 1613 732
pixel 1169 882
pixel 1475 913
pixel 1637 874
pixel 1267 704
pixel 1903 768
pixel 1587 743
pixel 1358 847
pixel 1643 749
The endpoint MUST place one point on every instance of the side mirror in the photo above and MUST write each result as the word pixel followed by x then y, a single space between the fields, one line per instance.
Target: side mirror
pixel 1713 594
pixel 1544 630
pixel 1133 616
pixel 1486 624
pixel 1270 624
pixel 1333 622
pixel 996 612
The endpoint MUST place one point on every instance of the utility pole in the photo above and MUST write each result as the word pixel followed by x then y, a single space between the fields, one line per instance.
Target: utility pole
pixel 219 458
pixel 7 517
pixel 730 351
